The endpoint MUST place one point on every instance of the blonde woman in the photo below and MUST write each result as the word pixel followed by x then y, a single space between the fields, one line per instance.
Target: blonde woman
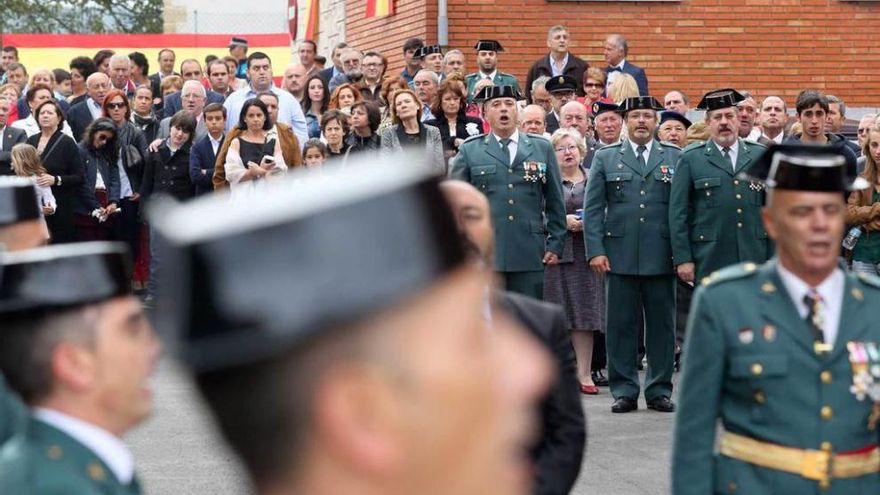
pixel 26 163
pixel 624 86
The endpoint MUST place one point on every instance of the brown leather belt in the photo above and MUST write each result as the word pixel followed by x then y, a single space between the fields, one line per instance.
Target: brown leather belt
pixel 820 465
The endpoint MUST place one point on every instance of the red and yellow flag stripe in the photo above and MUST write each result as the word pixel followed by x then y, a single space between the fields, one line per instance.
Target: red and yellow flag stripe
pixel 379 8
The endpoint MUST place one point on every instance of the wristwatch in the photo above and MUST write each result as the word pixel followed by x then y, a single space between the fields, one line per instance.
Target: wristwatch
pixel 57 180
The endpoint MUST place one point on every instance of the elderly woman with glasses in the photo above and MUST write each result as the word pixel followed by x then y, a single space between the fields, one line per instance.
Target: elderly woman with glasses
pixel 571 283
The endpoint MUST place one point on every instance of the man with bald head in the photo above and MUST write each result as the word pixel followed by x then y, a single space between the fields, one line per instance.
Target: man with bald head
pixel 83 113
pixel 676 101
pixel 773 117
pixel 532 119
pixel 295 80
pixel 558 454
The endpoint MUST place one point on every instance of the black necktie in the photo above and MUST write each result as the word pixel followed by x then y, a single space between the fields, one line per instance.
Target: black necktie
pixel 505 150
pixel 640 154
pixel 727 157
pixel 613 69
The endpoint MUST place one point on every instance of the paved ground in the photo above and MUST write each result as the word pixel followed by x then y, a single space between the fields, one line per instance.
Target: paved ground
pixel 178 453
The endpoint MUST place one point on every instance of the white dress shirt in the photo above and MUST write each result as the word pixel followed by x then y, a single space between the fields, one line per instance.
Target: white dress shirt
pixel 30 126
pixel 94 108
pixel 513 145
pixel 777 139
pixel 490 76
pixel 554 69
pixel 734 151
pixel 613 75
pixel 831 292
pixel 754 135
pixel 104 444
pixel 647 152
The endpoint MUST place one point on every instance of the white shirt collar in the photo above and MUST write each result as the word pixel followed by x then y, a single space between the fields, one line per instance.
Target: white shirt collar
pixel 734 149
pixel 620 65
pixel 514 138
pixel 104 444
pixel 778 139
pixel 490 75
pixel 648 146
pixel 831 291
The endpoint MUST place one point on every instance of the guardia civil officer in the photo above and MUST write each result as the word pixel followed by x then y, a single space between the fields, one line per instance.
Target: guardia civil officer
pixel 487 64
pixel 714 215
pixel 786 354
pixel 519 174
pixel 77 348
pixel 21 227
pixel 377 371
pixel 627 237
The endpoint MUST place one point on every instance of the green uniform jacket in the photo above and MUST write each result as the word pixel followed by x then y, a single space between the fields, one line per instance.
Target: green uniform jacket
pixel 519 199
pixel 749 361
pixel 500 79
pixel 626 209
pixel 13 415
pixel 43 460
pixel 714 216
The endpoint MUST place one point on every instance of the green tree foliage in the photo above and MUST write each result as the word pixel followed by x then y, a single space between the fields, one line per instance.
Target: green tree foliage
pixel 81 16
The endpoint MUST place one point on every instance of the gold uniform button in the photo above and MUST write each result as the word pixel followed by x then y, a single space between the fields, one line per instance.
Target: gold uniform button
pixel 510 201
pixel 739 224
pixel 642 219
pixel 739 196
pixel 757 369
pixel 701 238
pixel 642 193
pixel 736 183
pixel 510 186
pixel 825 376
pixel 706 184
pixel 760 398
pixel 708 193
pixel 739 210
pixel 482 172
pixel 642 206
pixel 826 413
pixel 510 218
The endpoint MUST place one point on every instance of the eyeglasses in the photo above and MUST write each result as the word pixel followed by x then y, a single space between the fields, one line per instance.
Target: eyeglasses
pixel 594 85
pixel 116 106
pixel 864 130
pixel 565 149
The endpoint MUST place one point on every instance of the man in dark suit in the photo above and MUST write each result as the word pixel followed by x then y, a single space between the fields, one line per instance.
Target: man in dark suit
pixel 9 137
pixel 204 151
pixel 616 50
pixel 773 119
pixel 166 68
pixel 558 62
pixel 336 68
pixel 558 453
pixel 190 69
pixel 83 113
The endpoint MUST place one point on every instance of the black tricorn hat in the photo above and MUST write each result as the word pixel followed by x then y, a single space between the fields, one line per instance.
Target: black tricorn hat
pixel 805 167
pixel 673 115
pixel 488 45
pixel 18 201
pixel 313 253
pixel 640 103
pixel 492 92
pixel 720 98
pixel 561 84
pixel 601 107
pixel 44 279
pixel 427 50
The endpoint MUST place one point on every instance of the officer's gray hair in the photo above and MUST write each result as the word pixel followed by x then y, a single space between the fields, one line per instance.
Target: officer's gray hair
pixel 119 58
pixel 621 42
pixel 540 82
pixel 840 104
pixel 26 356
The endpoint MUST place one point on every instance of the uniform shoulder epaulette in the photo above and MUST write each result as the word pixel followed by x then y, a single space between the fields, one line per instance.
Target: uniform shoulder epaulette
pixel 474 138
pixel 753 143
pixel 869 279
pixel 669 145
pixel 472 74
pixel 538 136
pixel 694 146
pixel 734 272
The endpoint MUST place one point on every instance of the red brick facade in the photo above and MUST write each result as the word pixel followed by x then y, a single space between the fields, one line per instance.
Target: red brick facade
pixel 765 46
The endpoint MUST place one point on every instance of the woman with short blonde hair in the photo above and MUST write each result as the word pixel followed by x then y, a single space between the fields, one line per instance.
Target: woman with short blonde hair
pixel 624 86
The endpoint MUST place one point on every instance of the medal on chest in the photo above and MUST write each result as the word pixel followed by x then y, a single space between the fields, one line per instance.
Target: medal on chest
pixel 756 185
pixel 666 173
pixel 864 358
pixel 535 172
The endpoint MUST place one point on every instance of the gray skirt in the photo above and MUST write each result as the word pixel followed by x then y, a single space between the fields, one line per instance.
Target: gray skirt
pixel 579 290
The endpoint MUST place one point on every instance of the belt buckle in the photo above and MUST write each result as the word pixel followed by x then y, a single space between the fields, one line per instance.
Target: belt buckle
pixel 817 466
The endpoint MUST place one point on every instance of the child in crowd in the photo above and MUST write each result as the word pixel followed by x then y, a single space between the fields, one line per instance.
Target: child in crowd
pixel 315 153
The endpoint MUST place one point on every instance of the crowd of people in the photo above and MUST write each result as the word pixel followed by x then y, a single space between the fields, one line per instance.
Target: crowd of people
pixel 578 188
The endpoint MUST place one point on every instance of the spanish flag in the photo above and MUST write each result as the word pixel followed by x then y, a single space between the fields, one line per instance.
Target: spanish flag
pixel 379 8
pixel 310 18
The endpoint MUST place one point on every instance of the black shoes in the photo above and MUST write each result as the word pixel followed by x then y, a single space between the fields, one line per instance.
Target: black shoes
pixel 661 404
pixel 599 378
pixel 624 405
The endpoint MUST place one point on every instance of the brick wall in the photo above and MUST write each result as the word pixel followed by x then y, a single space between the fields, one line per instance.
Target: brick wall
pixel 387 35
pixel 765 46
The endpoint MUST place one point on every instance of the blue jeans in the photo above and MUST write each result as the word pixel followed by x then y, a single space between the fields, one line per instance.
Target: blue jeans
pixel 866 267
